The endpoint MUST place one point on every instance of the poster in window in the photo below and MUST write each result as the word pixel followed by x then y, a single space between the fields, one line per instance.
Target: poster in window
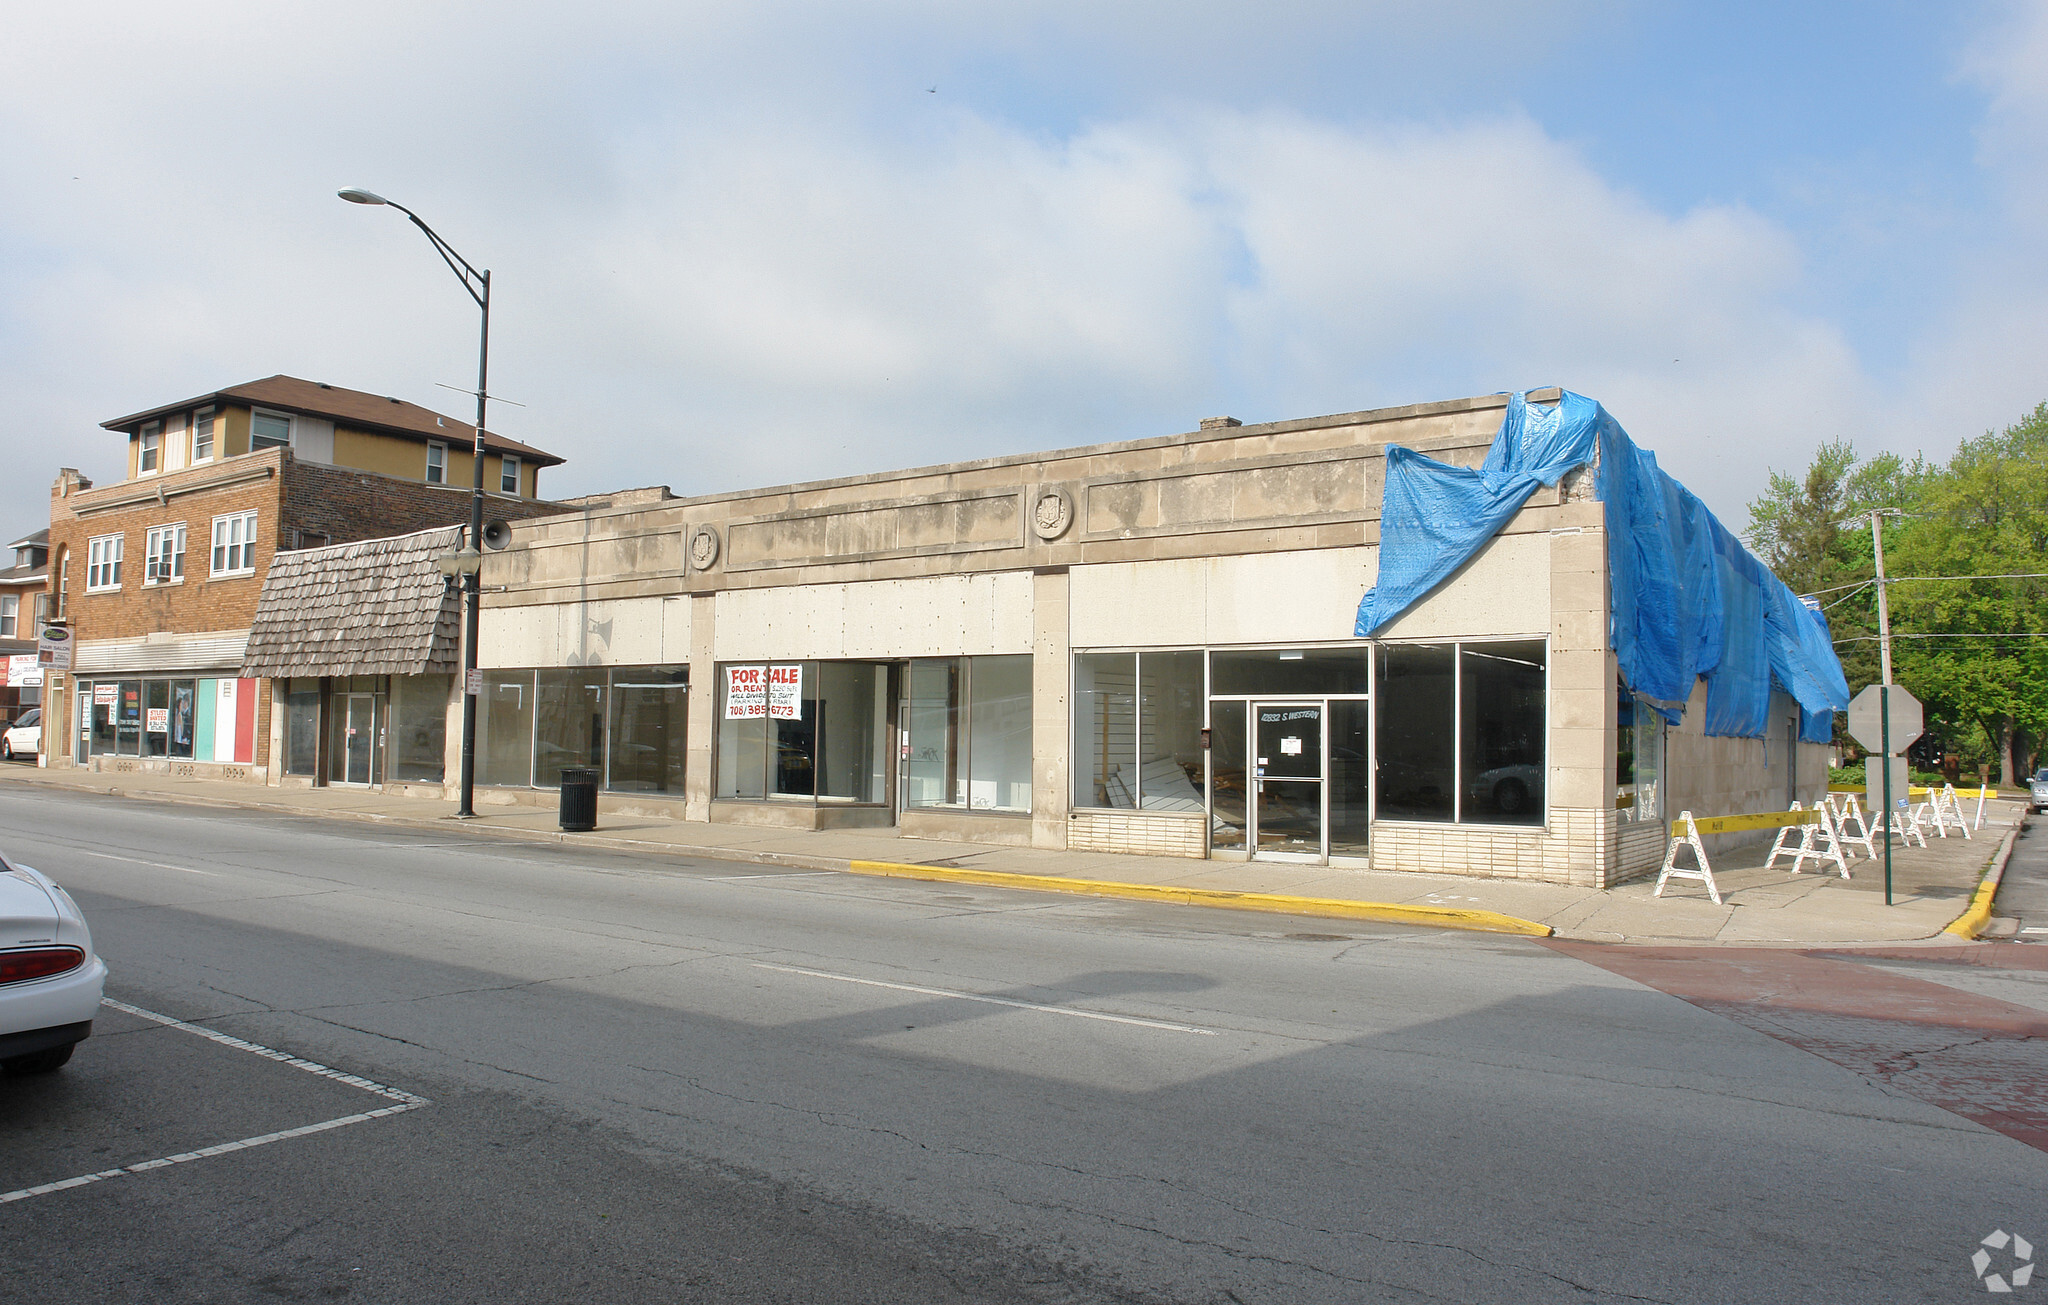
pixel 746 692
pixel 786 692
pixel 103 695
pixel 159 721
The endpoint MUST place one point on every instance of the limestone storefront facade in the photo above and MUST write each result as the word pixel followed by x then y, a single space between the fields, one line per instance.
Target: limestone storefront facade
pixel 1144 647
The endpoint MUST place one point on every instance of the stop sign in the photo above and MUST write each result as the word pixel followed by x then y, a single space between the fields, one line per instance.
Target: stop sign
pixel 1866 718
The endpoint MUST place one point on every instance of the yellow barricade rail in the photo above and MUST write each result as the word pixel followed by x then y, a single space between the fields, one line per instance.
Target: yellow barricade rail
pixel 1741 824
pixel 1919 790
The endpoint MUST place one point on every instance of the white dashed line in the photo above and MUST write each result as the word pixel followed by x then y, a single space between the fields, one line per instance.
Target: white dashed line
pixel 993 1001
pixel 160 865
pixel 404 1101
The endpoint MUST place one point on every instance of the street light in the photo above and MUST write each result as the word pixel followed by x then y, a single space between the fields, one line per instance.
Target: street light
pixel 478 284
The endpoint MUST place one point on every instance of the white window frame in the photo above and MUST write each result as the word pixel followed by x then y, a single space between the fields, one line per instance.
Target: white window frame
pixel 149 457
pixel 437 463
pixel 10 615
pixel 164 565
pixel 508 473
pixel 234 544
pixel 257 414
pixel 103 564
pixel 204 419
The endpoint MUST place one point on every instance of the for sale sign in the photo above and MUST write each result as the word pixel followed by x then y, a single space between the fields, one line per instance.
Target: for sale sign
pixel 786 692
pixel 746 692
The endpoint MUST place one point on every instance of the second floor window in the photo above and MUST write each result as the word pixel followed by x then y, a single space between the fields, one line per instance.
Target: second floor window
pixel 269 430
pixel 103 563
pixel 234 544
pixel 508 475
pixel 164 555
pixel 42 612
pixel 202 435
pixel 10 615
pixel 437 464
pixel 152 447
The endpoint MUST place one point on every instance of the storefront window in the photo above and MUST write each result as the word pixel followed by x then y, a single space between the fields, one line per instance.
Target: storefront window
pixel 1105 728
pixel 1462 732
pixel 814 731
pixel 183 700
pixel 649 724
pixel 419 728
pixel 1138 730
pixel 1639 758
pixel 1418 733
pixel 1228 815
pixel 852 743
pixel 504 713
pixel 569 723
pixel 1288 672
pixel 969 726
pixel 302 727
pixel 1502 722
pixel 128 720
pixel 156 719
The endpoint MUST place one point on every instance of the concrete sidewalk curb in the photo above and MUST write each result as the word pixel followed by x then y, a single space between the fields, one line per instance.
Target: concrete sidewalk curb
pixel 1971 922
pixel 1441 917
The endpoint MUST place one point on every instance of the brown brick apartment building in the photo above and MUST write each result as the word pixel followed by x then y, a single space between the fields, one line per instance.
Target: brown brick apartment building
pixel 158 576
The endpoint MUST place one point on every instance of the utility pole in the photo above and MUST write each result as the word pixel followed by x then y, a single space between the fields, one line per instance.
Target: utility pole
pixel 1884 693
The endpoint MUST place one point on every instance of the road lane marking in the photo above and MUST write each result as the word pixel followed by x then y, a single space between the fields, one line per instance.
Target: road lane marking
pixel 993 1001
pixel 404 1101
pixel 161 865
pixel 778 874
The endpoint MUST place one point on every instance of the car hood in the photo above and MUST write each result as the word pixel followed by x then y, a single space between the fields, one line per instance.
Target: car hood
pixel 28 914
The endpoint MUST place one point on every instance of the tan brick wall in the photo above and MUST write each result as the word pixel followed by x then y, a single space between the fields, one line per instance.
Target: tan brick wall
pixel 1116 831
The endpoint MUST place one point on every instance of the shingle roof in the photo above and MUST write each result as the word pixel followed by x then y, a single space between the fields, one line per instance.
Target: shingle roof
pixel 353 408
pixel 374 607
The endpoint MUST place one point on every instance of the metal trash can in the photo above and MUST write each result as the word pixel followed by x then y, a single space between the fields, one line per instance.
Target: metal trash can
pixel 579 800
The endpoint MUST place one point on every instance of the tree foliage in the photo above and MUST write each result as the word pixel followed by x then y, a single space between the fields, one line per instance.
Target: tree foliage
pixel 1984 513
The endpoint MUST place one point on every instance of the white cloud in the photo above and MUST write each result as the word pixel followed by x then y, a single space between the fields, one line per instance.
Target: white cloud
pixel 723 259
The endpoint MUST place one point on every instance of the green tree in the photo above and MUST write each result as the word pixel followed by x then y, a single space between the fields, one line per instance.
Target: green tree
pixel 1969 654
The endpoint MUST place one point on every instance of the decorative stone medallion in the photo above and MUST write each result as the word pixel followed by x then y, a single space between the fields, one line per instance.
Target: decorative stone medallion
pixel 1052 514
pixel 703 548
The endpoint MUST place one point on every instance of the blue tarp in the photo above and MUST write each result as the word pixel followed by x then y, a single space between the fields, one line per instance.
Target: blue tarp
pixel 1686 599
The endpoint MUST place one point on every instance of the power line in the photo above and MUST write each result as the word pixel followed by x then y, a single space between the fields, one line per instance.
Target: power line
pixel 1902 579
pixel 2017 634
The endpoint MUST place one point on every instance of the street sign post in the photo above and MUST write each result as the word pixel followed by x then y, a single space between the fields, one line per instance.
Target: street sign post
pixel 1887 718
pixel 1870 717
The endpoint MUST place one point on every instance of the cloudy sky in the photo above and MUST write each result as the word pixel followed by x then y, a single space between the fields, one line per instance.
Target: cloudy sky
pixel 742 244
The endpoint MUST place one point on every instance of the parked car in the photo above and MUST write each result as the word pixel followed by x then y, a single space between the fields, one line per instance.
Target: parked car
pixel 50 980
pixel 1509 790
pixel 24 738
pixel 2037 791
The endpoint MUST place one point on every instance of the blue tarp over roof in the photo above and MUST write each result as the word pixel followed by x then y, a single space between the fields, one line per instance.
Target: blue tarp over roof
pixel 1686 599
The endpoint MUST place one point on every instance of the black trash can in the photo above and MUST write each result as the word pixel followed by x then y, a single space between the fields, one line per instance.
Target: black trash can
pixel 579 799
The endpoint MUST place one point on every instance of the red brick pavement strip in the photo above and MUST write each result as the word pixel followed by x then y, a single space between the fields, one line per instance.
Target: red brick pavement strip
pixel 1983 1059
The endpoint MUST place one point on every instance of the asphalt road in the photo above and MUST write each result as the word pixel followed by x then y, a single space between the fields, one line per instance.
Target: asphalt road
pixel 579 1075
pixel 2023 892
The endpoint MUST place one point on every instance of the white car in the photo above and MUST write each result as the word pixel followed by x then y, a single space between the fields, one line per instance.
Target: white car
pixel 50 980
pixel 24 738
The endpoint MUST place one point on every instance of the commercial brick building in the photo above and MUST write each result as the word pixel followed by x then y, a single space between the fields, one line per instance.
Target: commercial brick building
pixel 157 576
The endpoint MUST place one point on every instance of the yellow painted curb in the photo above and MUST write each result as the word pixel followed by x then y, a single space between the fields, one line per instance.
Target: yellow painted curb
pixel 1441 917
pixel 1971 922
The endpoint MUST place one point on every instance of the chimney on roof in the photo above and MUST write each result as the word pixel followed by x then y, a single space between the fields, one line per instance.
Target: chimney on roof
pixel 1220 423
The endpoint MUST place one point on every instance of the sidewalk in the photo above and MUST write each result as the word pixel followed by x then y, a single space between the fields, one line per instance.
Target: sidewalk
pixel 1931 887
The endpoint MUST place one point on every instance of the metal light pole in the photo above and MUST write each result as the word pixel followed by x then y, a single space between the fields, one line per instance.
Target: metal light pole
pixel 478 284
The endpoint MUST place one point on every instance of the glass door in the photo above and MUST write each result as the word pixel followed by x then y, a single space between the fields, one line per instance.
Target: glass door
pixel 1287 780
pixel 359 737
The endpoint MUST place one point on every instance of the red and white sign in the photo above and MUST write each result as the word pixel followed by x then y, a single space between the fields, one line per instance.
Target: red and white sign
pixel 105 695
pixel 776 692
pixel 746 692
pixel 786 692
pixel 24 671
pixel 159 721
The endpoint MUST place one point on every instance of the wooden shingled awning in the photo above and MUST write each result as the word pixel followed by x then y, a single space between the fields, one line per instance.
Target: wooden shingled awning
pixel 374 607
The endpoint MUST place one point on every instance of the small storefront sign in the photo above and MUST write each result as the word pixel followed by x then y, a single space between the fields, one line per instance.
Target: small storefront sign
pixel 105 695
pixel 159 720
pixel 53 650
pixel 24 671
pixel 776 692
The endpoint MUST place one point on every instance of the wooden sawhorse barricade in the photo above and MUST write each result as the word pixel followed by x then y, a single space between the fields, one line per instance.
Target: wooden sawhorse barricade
pixel 1821 839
